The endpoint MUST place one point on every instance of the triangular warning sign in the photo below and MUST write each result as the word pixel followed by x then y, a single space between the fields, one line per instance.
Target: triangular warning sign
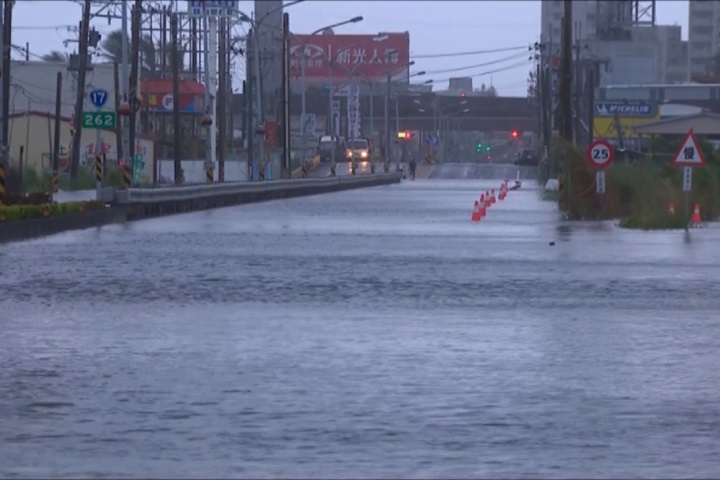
pixel 690 154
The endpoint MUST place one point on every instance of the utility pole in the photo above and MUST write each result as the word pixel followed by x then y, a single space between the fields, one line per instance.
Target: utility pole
pixel 386 112
pixel 211 85
pixel 260 162
pixel 566 72
pixel 125 86
pixel 222 98
pixel 177 165
pixel 80 98
pixel 5 9
pixel 249 130
pixel 134 81
pixel 286 95
pixel 56 139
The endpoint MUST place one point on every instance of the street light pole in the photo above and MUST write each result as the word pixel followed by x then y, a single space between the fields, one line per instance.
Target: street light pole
pixel 303 86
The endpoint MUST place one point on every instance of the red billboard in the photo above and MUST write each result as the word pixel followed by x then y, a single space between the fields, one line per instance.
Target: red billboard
pixel 339 57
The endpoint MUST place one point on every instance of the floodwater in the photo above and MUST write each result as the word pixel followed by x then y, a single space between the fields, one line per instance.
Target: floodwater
pixel 368 333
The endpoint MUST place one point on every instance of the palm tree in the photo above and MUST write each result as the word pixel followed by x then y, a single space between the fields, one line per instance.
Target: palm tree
pixel 55 56
pixel 149 61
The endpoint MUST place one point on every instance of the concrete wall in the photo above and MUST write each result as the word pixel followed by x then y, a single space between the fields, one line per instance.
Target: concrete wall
pixel 36 133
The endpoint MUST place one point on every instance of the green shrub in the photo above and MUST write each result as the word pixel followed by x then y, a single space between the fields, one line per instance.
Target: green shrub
pixel 639 193
pixel 26 212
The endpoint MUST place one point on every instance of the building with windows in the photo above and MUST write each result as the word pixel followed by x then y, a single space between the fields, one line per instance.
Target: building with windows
pixel 703 35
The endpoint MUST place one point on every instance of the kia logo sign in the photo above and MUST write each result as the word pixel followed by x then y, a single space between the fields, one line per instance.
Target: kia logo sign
pixel 311 51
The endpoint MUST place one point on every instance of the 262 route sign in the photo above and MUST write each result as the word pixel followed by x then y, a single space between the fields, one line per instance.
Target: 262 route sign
pixel 99 120
pixel 600 154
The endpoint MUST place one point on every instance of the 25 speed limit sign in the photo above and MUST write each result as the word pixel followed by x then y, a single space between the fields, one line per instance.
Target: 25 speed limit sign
pixel 600 154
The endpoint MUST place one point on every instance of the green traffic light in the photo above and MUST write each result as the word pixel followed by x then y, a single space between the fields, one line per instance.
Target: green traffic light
pixel 488 148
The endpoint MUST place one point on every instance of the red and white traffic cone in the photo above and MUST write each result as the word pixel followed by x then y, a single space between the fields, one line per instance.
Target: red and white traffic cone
pixel 476 212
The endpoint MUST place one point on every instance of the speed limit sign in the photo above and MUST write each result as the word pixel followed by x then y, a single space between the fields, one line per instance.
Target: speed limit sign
pixel 600 154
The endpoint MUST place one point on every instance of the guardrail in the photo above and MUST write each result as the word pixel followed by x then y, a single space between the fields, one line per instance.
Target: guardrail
pixel 292 187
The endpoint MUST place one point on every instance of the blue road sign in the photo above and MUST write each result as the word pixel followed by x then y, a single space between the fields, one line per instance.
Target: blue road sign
pixel 99 97
pixel 431 140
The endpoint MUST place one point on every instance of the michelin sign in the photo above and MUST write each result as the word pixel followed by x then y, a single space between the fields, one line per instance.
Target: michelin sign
pixel 624 109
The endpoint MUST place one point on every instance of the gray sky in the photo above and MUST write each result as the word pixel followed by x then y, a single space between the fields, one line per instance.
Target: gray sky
pixel 435 27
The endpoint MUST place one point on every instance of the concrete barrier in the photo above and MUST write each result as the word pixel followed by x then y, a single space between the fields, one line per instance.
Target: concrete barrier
pixel 141 203
pixel 39 227
pixel 312 165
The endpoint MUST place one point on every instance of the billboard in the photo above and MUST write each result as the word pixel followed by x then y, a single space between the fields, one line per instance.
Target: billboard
pixel 157 96
pixel 629 114
pixel 363 56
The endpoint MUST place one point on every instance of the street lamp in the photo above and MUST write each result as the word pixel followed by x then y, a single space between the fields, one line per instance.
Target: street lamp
pixel 258 85
pixel 351 74
pixel 303 87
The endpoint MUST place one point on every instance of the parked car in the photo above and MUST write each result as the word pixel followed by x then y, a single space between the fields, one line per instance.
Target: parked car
pixel 527 157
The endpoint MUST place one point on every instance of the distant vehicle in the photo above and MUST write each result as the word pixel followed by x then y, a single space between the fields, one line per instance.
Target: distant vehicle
pixel 358 149
pixel 331 147
pixel 526 157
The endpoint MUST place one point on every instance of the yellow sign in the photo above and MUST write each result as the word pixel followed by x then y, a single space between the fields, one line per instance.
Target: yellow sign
pixel 605 127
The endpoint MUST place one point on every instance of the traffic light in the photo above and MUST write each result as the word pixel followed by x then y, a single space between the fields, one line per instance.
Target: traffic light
pixel 404 135
pixel 487 149
pixel 479 147
pixel 515 134
pixel 463 95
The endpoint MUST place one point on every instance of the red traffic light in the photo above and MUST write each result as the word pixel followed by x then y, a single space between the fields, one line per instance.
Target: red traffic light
pixel 404 135
pixel 514 134
pixel 463 95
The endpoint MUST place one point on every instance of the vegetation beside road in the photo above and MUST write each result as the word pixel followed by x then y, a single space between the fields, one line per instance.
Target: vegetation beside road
pixel 640 193
pixel 28 211
pixel 34 181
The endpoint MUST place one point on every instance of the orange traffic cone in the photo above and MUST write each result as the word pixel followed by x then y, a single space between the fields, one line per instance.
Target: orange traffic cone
pixel 492 197
pixel 696 219
pixel 487 199
pixel 671 209
pixel 482 206
pixel 476 212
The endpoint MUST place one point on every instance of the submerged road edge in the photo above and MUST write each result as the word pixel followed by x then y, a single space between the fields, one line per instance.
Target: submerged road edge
pixel 136 209
pixel 238 194
pixel 18 230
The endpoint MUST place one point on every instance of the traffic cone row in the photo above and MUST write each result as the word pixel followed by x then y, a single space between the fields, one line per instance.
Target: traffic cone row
pixel 487 200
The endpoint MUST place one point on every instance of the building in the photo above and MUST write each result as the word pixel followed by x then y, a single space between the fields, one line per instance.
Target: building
pixel 703 35
pixel 655 55
pixel 551 13
pixel 34 133
pixel 616 34
pixel 268 15
pixel 34 85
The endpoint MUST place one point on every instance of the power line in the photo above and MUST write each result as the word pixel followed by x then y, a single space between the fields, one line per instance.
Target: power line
pixel 475 52
pixel 479 65
pixel 489 72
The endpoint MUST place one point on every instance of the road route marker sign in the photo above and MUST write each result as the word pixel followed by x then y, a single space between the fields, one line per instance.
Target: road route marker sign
pixel 689 154
pixel 99 97
pixel 601 154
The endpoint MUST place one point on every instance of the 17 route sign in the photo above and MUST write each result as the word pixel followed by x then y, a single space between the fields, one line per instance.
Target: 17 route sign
pixel 689 154
pixel 601 154
pixel 99 97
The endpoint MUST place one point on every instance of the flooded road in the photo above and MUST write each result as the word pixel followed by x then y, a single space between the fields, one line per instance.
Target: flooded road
pixel 368 333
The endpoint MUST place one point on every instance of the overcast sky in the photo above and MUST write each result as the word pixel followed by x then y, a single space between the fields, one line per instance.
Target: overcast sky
pixel 436 27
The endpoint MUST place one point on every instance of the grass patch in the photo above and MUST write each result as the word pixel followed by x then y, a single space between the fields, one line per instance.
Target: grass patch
pixel 638 193
pixel 27 212
pixel 34 181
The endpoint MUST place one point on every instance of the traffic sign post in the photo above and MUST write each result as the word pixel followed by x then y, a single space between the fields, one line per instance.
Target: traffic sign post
pixel 689 155
pixel 99 98
pixel 601 155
